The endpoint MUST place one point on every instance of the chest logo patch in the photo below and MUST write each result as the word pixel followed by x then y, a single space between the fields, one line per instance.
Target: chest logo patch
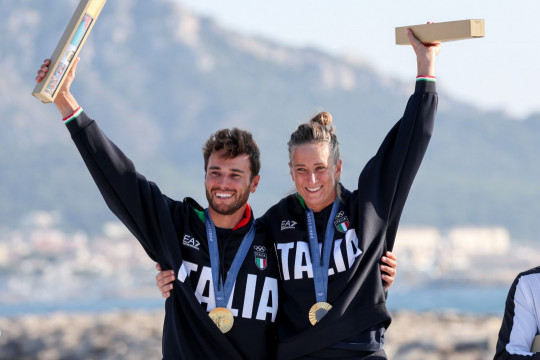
pixel 341 222
pixel 288 224
pixel 261 259
pixel 191 242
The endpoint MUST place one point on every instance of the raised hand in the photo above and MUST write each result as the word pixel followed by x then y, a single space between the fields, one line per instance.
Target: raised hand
pixel 389 270
pixel 164 281
pixel 425 54
pixel 64 101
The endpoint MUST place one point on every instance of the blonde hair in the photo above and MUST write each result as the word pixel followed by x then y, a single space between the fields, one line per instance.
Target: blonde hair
pixel 318 130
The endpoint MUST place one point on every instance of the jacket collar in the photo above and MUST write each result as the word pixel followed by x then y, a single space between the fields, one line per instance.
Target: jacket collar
pixel 246 219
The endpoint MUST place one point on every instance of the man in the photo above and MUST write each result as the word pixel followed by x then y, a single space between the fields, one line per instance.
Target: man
pixel 521 322
pixel 226 297
pixel 174 233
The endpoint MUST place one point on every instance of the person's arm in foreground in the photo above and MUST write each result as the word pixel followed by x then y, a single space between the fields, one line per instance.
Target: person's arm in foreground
pixel 389 270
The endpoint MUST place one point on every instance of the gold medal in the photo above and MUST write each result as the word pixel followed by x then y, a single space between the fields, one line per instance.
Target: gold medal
pixel 223 318
pixel 318 311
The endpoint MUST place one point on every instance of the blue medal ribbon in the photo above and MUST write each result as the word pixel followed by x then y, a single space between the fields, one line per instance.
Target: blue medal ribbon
pixel 320 266
pixel 222 292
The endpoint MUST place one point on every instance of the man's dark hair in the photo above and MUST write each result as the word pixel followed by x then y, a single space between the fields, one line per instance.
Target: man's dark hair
pixel 235 142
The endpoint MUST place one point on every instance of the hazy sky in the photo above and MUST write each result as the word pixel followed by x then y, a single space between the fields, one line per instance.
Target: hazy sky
pixel 500 71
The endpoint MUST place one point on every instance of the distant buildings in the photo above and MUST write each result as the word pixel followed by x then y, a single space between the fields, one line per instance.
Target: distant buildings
pixel 461 254
pixel 479 241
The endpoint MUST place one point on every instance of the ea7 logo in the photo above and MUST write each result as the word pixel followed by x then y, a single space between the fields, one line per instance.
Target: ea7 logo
pixel 288 224
pixel 191 242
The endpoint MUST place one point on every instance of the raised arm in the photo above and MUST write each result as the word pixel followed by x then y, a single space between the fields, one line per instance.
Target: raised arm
pixel 387 178
pixel 137 202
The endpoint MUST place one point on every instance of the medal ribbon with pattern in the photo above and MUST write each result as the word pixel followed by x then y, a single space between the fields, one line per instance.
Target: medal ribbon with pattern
pixel 320 266
pixel 222 316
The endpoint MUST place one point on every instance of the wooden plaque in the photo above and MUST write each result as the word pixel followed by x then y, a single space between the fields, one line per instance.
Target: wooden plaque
pixel 68 48
pixel 440 32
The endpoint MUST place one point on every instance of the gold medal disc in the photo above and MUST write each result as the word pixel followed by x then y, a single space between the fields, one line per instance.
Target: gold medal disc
pixel 223 318
pixel 318 311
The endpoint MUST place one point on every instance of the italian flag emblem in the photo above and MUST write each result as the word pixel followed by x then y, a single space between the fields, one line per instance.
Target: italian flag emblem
pixel 341 222
pixel 260 260
pixel 343 227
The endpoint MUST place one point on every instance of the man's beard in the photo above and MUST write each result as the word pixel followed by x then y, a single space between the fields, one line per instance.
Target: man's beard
pixel 223 209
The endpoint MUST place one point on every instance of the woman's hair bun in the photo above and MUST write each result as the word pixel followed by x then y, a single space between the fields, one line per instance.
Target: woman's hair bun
pixel 324 118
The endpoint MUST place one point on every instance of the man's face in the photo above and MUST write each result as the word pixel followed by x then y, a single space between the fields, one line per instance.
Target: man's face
pixel 228 183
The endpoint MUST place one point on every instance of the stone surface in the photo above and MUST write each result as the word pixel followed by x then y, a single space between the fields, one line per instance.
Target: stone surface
pixel 137 335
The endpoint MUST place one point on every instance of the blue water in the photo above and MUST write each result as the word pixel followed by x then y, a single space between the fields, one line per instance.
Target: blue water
pixel 94 306
pixel 464 299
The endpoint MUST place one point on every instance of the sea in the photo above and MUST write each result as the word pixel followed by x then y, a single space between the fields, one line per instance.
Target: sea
pixel 464 299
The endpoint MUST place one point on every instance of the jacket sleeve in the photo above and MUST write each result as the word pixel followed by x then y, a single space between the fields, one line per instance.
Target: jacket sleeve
pixel 520 323
pixel 387 178
pixel 137 202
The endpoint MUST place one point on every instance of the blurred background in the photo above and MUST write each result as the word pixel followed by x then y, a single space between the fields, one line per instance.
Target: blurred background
pixel 161 75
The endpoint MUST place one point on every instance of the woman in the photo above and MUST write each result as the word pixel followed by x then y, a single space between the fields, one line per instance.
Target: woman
pixel 329 240
pixel 332 302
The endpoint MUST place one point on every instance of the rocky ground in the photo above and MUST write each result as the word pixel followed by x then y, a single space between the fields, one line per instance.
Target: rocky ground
pixel 435 336
pixel 137 335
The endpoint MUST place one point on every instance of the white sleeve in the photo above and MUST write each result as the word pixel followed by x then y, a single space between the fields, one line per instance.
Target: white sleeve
pixel 527 309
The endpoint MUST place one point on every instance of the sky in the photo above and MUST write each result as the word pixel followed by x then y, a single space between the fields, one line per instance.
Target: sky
pixel 498 72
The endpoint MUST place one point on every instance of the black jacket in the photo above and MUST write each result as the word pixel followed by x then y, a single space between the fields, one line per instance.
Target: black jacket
pixel 365 227
pixel 173 234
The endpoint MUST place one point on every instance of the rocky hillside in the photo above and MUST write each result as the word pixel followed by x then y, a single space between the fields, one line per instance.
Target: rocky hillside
pixel 159 79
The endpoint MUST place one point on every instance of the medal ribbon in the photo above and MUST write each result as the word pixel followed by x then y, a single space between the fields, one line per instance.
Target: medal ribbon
pixel 320 268
pixel 222 292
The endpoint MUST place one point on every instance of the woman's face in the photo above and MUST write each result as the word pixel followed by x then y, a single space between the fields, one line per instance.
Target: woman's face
pixel 315 174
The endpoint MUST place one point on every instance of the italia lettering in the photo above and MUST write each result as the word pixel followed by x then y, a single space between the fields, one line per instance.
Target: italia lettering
pixel 205 286
pixel 351 241
pixel 295 258
pixel 185 269
pixel 302 261
pixel 269 293
pixel 283 249
pixel 249 296
pixel 204 292
pixel 338 257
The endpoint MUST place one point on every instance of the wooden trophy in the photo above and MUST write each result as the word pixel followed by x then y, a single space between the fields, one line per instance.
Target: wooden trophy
pixel 68 48
pixel 440 32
